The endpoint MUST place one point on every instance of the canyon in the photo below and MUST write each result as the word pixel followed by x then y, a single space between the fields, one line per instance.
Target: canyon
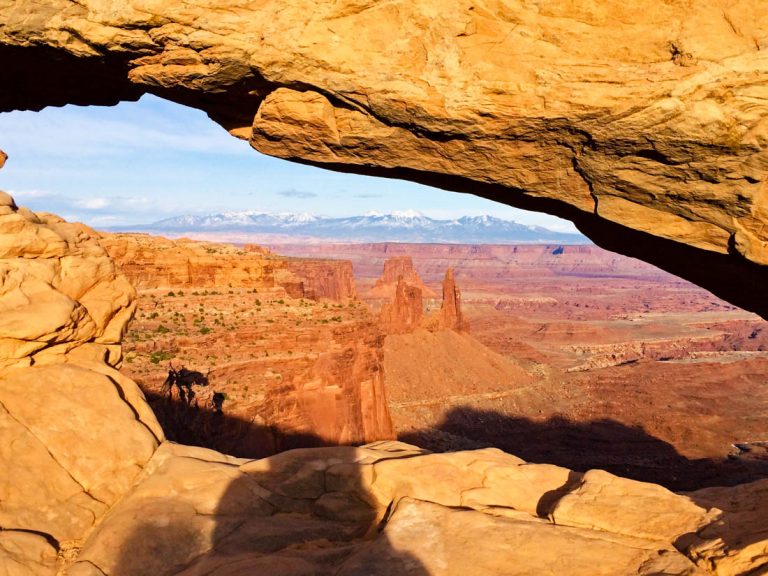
pixel 571 345
pixel 295 371
pixel 578 347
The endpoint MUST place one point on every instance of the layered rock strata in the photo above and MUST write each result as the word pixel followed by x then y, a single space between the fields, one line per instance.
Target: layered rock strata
pixel 324 279
pixel 404 313
pixel 157 262
pixel 396 267
pixel 295 373
pixel 645 127
pixel 451 317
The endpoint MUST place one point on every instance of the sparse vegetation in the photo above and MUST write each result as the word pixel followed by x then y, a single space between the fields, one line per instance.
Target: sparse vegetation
pixel 160 356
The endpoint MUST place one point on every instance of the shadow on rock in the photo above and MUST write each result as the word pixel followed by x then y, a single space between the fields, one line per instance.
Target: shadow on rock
pixel 627 451
pixel 197 423
pixel 301 512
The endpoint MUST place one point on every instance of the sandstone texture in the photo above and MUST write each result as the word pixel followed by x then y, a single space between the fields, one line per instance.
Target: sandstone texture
pixel 451 317
pixel 394 268
pixel 405 312
pixel 60 293
pixel 74 433
pixel 645 127
pixel 156 262
pixel 387 509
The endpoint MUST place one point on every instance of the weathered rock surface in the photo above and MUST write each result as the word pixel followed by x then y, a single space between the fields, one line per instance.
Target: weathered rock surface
pixel 646 127
pixel 157 262
pixel 316 511
pixel 59 290
pixel 737 541
pixel 324 279
pixel 394 268
pixel 451 317
pixel 74 433
pixel 404 313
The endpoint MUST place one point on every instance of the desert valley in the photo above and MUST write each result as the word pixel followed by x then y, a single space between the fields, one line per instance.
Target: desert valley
pixel 559 354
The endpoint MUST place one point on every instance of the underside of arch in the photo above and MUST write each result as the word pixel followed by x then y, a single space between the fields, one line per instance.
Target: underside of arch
pixel 647 128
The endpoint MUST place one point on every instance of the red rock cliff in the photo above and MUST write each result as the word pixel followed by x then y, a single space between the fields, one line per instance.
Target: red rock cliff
pixel 404 312
pixel 397 267
pixel 325 279
pixel 451 317
pixel 157 262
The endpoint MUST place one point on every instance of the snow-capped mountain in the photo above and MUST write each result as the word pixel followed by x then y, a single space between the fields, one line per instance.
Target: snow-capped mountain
pixel 408 226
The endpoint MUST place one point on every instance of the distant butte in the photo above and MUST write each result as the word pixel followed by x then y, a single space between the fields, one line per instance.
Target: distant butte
pixel 395 268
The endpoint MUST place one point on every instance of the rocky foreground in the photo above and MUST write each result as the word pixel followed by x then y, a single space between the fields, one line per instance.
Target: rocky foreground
pixel 91 487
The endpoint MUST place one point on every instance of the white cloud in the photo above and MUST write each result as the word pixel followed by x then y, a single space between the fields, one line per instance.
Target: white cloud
pixel 96 211
pixel 93 203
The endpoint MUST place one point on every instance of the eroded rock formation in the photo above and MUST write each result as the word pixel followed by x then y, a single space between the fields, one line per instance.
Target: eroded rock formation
pixel 404 313
pixel 302 374
pixel 60 295
pixel 75 433
pixel 325 279
pixel 451 317
pixel 157 262
pixel 396 267
pixel 645 127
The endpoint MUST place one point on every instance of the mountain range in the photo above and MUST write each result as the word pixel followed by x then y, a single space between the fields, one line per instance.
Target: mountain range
pixel 409 226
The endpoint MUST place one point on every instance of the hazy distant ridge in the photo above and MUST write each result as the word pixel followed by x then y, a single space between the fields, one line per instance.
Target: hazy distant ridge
pixel 373 227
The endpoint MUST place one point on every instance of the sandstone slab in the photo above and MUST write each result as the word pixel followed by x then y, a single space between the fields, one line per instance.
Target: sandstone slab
pixel 381 509
pixel 26 554
pixel 606 502
pixel 423 538
pixel 736 541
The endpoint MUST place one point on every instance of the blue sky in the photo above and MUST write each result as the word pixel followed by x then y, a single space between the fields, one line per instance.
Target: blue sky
pixel 139 162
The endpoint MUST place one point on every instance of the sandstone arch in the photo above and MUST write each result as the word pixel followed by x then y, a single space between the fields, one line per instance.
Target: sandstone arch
pixel 647 128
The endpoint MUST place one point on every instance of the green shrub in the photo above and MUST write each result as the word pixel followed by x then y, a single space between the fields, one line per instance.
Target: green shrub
pixel 160 356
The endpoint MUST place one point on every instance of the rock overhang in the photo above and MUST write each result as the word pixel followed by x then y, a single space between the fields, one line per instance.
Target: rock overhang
pixel 647 128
